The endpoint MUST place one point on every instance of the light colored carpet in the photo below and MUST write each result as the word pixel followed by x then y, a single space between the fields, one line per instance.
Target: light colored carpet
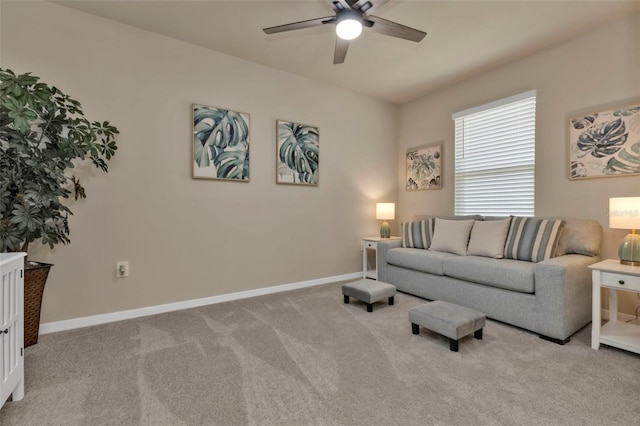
pixel 304 357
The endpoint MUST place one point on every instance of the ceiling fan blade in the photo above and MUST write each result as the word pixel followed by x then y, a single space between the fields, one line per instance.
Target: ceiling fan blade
pixel 394 29
pixel 368 6
pixel 300 25
pixel 341 50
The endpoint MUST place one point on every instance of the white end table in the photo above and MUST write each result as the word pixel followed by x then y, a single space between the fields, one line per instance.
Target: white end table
pixel 370 247
pixel 611 274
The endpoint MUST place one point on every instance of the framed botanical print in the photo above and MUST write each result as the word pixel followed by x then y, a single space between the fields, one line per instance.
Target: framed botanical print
pixel 220 144
pixel 605 143
pixel 424 167
pixel 297 156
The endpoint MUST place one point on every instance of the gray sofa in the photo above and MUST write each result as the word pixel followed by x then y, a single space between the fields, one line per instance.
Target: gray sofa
pixel 551 297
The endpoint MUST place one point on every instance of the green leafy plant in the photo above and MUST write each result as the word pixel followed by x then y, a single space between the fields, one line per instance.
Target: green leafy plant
pixel 423 165
pixel 627 161
pixel 43 134
pixel 604 139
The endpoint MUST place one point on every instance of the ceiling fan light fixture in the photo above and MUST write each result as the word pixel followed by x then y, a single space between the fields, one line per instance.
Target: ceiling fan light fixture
pixel 349 25
pixel 349 19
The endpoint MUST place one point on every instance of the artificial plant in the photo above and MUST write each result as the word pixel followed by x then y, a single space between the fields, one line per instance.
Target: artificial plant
pixel 43 135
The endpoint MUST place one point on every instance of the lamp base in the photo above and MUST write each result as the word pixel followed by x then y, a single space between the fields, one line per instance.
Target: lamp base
pixel 629 250
pixel 385 230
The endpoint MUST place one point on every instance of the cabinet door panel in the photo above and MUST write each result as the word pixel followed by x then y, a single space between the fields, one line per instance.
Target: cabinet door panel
pixel 11 334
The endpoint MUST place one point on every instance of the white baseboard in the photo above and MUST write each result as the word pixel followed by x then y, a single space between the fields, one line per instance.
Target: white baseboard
pixel 52 327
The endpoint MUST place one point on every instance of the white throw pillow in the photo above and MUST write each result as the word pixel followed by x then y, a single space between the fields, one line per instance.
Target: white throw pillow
pixel 488 238
pixel 451 236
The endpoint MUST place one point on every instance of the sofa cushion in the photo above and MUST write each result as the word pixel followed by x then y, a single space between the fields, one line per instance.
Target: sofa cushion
pixel 451 236
pixel 419 260
pixel 417 234
pixel 488 238
pixel 509 274
pixel 580 236
pixel 532 239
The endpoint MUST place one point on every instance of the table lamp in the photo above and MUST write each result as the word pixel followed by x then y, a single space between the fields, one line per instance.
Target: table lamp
pixel 384 212
pixel 624 213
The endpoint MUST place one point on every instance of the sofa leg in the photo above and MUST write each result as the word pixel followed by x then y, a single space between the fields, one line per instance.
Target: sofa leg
pixel 453 345
pixel 346 299
pixel 415 328
pixel 369 307
pixel 391 300
pixel 478 334
pixel 554 340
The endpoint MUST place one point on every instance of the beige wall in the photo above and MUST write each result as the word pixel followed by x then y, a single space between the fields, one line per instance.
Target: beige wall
pixel 188 238
pixel 596 69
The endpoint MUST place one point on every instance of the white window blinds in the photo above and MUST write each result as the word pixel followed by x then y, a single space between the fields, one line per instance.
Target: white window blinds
pixel 495 157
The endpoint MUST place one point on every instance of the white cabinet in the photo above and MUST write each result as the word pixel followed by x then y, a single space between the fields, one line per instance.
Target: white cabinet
pixel 610 274
pixel 11 326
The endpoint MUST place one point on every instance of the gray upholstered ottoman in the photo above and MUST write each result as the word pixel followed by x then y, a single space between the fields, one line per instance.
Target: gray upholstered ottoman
pixel 369 292
pixel 450 320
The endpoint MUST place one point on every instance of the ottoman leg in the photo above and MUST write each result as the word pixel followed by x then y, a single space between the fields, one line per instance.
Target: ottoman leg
pixel 415 328
pixel 478 334
pixel 453 345
pixel 369 307
pixel 346 299
pixel 391 300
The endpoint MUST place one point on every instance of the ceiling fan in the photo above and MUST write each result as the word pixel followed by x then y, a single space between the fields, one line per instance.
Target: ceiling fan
pixel 350 17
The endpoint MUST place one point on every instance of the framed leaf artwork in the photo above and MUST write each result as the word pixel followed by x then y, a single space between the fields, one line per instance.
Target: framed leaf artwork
pixel 220 144
pixel 297 158
pixel 605 143
pixel 424 167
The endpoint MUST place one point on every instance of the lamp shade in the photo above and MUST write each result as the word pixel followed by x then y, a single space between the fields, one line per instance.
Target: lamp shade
pixel 385 211
pixel 624 213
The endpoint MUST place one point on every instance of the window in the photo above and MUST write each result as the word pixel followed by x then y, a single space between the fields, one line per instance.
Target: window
pixel 495 157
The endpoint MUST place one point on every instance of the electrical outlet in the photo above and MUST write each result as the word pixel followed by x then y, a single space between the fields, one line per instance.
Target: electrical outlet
pixel 122 269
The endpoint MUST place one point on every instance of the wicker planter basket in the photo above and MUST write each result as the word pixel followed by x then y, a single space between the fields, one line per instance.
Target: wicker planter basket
pixel 35 277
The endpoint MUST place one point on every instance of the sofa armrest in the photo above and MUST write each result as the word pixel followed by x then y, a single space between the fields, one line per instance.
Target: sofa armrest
pixel 381 257
pixel 563 293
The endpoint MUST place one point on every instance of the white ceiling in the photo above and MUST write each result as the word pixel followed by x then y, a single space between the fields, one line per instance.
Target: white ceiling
pixel 464 38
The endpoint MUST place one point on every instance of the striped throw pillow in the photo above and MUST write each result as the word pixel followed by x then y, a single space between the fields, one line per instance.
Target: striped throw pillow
pixel 417 234
pixel 532 239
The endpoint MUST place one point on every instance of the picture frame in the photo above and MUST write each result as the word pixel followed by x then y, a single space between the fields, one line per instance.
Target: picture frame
pixel 424 167
pixel 220 144
pixel 605 142
pixel 297 153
